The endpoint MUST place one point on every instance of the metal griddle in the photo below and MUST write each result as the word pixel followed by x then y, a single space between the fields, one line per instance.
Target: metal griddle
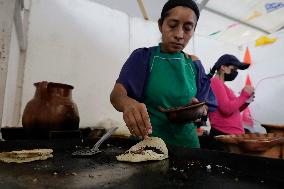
pixel 187 168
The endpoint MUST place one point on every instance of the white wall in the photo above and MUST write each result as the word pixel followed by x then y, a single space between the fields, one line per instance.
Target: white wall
pixel 209 50
pixel 11 82
pixel 268 61
pixel 79 43
pixel 143 33
pixel 85 44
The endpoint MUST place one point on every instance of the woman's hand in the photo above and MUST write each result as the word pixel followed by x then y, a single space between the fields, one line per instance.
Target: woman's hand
pixel 137 119
pixel 204 108
pixel 135 114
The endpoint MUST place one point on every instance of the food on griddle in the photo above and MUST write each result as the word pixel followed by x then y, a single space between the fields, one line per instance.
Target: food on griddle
pixel 142 150
pixel 107 124
pixel 24 156
pixel 152 148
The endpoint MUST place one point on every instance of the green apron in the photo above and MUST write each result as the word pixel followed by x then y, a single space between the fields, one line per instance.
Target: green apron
pixel 171 83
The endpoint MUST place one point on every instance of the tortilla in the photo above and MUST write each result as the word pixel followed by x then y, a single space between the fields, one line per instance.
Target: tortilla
pixel 149 149
pixel 24 156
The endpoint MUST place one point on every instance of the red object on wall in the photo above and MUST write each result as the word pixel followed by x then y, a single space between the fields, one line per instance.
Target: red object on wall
pixel 248 81
pixel 247 57
pixel 246 116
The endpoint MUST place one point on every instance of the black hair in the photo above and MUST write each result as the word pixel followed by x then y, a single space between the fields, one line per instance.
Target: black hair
pixel 174 3
pixel 212 71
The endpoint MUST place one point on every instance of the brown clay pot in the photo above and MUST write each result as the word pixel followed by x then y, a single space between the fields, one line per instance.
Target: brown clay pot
pixel 265 145
pixel 272 128
pixel 51 109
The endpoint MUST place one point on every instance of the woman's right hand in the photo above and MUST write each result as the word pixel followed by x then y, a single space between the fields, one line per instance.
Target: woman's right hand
pixel 135 114
pixel 249 89
pixel 137 119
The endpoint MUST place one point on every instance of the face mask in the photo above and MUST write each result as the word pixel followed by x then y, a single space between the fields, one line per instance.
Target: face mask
pixel 231 76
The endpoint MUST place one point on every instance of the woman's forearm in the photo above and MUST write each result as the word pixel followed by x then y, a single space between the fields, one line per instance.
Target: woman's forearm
pixel 119 98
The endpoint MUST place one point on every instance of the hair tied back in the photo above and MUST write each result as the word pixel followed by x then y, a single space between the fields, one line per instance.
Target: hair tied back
pixel 212 72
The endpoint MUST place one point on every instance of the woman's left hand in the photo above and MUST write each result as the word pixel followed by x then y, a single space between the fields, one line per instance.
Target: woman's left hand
pixel 205 110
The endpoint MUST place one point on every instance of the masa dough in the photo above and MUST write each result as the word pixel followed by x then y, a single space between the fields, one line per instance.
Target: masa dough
pixel 23 156
pixel 152 148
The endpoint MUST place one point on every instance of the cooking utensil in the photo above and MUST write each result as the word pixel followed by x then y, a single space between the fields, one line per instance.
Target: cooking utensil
pixel 184 114
pixel 95 149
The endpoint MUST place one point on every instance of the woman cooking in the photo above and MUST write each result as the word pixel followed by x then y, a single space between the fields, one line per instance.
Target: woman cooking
pixel 164 76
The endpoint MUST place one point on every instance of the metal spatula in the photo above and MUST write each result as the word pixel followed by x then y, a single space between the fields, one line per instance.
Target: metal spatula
pixel 95 149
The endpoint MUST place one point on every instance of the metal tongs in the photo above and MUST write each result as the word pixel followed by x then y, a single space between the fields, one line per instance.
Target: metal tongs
pixel 95 149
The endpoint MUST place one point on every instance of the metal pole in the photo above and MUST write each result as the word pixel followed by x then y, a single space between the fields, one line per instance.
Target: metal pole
pixel 7 8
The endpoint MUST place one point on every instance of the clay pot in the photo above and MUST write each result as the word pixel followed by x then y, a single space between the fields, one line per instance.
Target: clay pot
pixel 185 114
pixel 265 145
pixel 271 128
pixel 51 109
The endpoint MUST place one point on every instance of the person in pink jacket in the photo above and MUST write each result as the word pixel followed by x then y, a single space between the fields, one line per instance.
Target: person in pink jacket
pixel 227 118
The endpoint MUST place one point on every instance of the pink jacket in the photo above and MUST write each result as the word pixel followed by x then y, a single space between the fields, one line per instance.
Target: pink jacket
pixel 227 117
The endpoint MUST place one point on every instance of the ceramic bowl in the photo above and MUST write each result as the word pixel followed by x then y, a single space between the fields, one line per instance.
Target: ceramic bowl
pixel 272 128
pixel 184 114
pixel 265 145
